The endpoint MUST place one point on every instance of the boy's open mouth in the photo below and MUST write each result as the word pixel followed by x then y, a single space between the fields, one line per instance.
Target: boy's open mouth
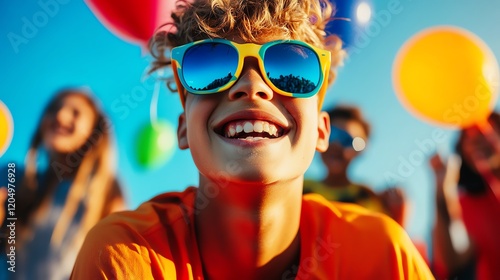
pixel 247 129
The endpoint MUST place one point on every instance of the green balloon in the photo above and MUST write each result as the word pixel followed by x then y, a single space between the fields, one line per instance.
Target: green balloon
pixel 155 144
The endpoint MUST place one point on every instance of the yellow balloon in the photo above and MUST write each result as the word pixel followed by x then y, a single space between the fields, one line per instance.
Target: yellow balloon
pixel 447 76
pixel 6 128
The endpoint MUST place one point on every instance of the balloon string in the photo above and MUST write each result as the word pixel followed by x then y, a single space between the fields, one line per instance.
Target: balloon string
pixel 153 109
pixel 494 140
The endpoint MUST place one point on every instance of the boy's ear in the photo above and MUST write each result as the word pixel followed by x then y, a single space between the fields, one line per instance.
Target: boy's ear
pixel 182 138
pixel 323 132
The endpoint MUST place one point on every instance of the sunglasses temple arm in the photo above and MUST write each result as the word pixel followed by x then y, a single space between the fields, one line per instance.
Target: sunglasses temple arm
pixel 322 94
pixel 180 88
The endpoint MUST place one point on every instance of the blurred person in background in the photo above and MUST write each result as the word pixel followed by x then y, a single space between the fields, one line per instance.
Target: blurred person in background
pixel 67 185
pixel 466 236
pixel 348 138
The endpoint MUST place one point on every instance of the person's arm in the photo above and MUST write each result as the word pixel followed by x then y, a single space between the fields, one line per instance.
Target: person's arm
pixel 115 200
pixel 3 198
pixel 394 201
pixel 448 212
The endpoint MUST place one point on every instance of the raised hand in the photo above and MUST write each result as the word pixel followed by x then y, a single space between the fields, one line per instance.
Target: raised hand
pixel 394 201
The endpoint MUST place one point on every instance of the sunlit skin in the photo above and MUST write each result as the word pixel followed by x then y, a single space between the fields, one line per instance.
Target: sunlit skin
pixel 257 182
pixel 338 158
pixel 68 126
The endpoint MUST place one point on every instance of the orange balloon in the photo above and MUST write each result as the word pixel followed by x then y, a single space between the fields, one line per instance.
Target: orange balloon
pixel 6 128
pixel 446 76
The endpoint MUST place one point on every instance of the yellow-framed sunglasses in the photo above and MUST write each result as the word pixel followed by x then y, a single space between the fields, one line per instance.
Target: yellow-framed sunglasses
pixel 290 67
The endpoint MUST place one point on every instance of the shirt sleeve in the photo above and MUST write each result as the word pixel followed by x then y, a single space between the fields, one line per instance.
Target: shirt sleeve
pixel 403 257
pixel 113 251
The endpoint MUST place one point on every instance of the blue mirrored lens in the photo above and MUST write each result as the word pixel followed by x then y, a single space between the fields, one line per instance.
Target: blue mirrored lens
pixel 340 136
pixel 209 66
pixel 292 68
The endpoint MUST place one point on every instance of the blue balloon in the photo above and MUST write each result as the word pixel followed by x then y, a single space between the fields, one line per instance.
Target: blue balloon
pixel 350 20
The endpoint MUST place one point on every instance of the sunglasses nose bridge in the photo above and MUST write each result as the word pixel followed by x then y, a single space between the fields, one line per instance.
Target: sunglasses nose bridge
pixel 251 81
pixel 247 51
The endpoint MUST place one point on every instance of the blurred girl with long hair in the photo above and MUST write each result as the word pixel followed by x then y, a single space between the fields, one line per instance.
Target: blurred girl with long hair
pixel 68 185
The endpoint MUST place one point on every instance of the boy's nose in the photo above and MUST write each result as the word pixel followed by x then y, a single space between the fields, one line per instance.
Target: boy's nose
pixel 251 84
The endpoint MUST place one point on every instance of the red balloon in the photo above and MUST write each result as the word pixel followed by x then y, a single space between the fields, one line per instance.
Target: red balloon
pixel 132 20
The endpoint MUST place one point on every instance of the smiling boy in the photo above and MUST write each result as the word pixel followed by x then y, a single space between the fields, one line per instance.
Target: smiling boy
pixel 250 84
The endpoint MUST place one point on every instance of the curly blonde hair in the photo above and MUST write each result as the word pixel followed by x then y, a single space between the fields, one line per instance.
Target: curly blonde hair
pixel 251 20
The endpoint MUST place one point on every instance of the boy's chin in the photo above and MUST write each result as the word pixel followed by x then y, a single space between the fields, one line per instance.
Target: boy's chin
pixel 253 177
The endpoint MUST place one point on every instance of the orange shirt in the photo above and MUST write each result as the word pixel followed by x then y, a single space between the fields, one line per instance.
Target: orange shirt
pixel 338 241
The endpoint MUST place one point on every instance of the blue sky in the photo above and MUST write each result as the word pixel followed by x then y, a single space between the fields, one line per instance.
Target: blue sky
pixel 70 47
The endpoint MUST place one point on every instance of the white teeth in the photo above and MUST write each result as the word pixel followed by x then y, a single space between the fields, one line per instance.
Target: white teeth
pixel 257 126
pixel 248 127
pixel 265 126
pixel 273 130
